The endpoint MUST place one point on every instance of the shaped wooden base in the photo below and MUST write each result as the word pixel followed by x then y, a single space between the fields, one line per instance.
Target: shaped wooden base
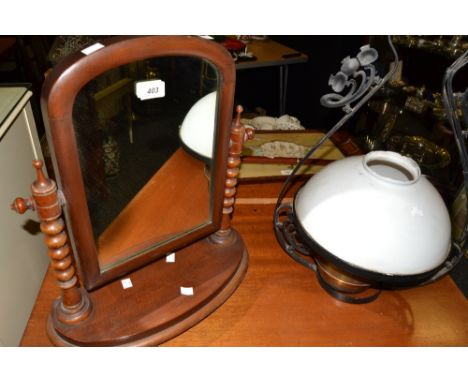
pixel 155 309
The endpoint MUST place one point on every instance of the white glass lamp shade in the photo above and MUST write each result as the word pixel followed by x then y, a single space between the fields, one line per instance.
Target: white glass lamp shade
pixel 376 213
pixel 197 129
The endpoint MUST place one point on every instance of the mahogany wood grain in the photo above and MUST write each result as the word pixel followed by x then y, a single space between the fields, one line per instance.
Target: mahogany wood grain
pixel 154 309
pixel 57 100
pixel 280 303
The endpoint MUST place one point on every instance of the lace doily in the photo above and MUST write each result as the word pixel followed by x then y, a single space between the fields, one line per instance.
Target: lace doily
pixel 285 122
pixel 280 149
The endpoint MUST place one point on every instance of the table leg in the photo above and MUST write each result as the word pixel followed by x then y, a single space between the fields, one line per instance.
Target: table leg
pixel 283 86
pixel 281 69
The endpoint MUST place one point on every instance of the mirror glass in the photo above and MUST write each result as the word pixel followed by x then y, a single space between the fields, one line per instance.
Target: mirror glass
pixel 144 186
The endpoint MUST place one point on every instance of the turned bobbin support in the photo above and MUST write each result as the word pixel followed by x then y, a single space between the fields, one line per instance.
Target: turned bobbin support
pixel 74 304
pixel 239 134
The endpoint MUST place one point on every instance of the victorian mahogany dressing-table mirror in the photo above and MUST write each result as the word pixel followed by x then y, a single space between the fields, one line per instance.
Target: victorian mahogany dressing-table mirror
pixel 149 251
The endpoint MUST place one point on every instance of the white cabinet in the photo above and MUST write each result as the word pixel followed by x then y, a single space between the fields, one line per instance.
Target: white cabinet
pixel 23 255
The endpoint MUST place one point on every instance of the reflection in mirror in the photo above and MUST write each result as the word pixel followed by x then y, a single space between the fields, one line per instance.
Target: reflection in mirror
pixel 135 169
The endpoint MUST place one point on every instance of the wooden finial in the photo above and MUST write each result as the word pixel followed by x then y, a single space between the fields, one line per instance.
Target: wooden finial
pixel 239 110
pixel 38 164
pixel 21 205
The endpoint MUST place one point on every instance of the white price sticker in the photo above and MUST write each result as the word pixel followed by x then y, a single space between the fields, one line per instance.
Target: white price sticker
pixel 186 291
pixel 92 48
pixel 126 283
pixel 150 89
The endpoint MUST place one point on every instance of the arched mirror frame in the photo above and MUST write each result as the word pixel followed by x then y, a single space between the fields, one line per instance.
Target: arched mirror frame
pixel 59 92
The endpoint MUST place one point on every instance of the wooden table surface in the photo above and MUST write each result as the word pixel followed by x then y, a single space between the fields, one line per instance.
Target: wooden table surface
pixel 271 53
pixel 280 303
